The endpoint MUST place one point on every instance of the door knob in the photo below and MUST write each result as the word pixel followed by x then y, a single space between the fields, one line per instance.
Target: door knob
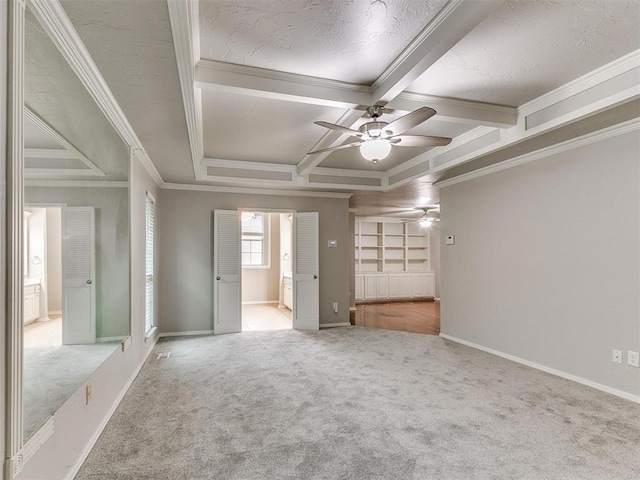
pixel 218 277
pixel 89 282
pixel 315 276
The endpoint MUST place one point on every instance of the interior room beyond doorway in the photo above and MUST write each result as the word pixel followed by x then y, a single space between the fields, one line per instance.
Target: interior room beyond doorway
pixel 267 290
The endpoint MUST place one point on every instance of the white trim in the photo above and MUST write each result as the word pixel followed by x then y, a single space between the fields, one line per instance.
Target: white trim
pixel 436 299
pixel 51 15
pixel 252 191
pixel 55 312
pixel 260 302
pixel 331 325
pixel 589 138
pixel 185 33
pixel 343 172
pixel 245 165
pixel 76 183
pixel 186 334
pixel 151 334
pixel 94 438
pixel 17 463
pixel 553 371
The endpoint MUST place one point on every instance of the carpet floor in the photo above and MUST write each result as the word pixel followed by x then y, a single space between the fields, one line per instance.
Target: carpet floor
pixel 358 403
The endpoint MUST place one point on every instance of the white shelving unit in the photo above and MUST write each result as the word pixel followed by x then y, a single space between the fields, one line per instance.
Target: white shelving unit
pixel 392 260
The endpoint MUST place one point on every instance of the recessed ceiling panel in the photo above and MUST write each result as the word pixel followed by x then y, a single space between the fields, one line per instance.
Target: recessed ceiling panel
pixel 254 129
pixel 351 159
pixel 527 48
pixel 352 41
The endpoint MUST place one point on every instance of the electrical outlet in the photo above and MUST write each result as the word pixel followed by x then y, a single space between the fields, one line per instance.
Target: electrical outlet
pixel 88 394
pixel 633 358
pixel 335 307
pixel 617 356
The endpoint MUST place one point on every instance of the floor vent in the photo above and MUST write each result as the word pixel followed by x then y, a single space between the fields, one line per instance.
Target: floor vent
pixel 164 355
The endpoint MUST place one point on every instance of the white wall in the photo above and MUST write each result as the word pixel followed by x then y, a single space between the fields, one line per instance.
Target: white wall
pixel 186 247
pixel 262 284
pixel 77 424
pixel 546 263
pixel 54 260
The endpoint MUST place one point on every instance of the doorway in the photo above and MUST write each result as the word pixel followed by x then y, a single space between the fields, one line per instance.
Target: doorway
pixel 227 270
pixel 267 296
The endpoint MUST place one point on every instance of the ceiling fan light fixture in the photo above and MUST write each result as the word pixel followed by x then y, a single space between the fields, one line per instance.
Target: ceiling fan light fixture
pixel 425 221
pixel 376 149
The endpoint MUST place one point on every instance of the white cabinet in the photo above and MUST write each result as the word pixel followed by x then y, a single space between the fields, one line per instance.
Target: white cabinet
pixel 287 293
pixel 359 287
pixel 375 286
pixel 31 304
pixel 394 286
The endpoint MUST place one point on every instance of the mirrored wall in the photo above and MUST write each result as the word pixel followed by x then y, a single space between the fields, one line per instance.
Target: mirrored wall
pixel 76 302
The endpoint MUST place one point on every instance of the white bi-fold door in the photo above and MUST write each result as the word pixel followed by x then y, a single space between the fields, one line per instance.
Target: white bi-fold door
pixel 78 275
pixel 227 271
pixel 227 274
pixel 306 272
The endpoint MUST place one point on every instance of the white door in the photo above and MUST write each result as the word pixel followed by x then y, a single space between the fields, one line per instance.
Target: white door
pixel 305 273
pixel 370 292
pixel 227 298
pixel 78 275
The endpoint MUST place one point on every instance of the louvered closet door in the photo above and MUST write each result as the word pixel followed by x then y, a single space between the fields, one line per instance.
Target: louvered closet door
pixel 78 275
pixel 306 272
pixel 227 272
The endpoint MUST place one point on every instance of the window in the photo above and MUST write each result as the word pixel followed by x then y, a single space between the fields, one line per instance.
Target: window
pixel 255 239
pixel 149 255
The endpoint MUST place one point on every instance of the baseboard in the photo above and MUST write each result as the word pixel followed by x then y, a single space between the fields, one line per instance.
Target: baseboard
pixel 552 371
pixel 353 309
pixel 111 339
pixel 331 325
pixel 265 302
pixel 436 299
pixel 186 334
pixel 85 453
pixel 56 312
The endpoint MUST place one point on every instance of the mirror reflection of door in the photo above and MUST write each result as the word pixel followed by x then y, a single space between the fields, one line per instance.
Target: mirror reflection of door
pixel 78 276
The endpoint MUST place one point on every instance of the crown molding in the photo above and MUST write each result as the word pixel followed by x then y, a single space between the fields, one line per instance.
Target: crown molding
pixel 594 137
pixel 185 32
pixel 253 191
pixel 51 15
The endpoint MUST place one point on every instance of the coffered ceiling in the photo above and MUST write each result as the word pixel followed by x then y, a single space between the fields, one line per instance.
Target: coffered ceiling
pixel 226 92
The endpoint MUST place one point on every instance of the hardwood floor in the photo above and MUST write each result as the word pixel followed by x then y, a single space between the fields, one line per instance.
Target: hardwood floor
pixel 413 317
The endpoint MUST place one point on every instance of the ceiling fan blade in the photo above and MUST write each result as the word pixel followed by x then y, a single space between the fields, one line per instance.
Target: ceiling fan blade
pixel 339 128
pixel 419 141
pixel 339 147
pixel 410 120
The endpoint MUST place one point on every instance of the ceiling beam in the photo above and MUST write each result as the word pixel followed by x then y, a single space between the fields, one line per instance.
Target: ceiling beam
pixel 456 19
pixel 265 83
pixel 183 15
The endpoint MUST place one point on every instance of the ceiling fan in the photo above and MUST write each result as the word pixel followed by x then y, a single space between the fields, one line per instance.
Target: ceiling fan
pixel 376 137
pixel 430 215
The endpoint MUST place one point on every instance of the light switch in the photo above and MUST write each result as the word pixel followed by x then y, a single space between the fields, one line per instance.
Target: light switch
pixel 333 243
pixel 450 240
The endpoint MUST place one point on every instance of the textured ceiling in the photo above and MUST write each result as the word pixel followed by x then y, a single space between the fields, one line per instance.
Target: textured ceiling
pixel 352 41
pixel 54 93
pixel 529 47
pixel 131 42
pixel 241 127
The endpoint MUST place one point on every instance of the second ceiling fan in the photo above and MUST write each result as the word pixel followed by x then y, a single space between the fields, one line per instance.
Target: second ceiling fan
pixel 376 137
